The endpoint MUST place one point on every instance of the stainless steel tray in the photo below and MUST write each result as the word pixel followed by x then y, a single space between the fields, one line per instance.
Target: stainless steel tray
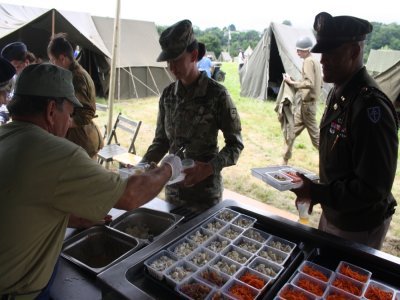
pixel 146 224
pixel 99 247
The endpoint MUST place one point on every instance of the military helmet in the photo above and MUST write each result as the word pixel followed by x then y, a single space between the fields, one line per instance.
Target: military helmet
pixel 304 43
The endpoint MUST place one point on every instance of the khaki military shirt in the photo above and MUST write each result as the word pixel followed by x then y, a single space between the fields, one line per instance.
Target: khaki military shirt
pixel 358 156
pixel 311 82
pixel 44 178
pixel 192 117
pixel 86 134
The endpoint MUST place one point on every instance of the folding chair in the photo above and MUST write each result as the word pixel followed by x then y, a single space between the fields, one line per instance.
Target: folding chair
pixel 102 107
pixel 113 147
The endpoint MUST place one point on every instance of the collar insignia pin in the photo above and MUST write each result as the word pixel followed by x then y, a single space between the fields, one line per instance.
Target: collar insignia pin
pixel 342 98
pixel 335 106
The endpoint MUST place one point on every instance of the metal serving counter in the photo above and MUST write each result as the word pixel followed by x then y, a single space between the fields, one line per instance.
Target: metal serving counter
pixel 128 278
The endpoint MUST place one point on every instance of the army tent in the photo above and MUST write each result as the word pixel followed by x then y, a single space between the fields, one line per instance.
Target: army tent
pixel 275 53
pixel 138 73
pixel 384 67
pixel 225 57
pixel 34 26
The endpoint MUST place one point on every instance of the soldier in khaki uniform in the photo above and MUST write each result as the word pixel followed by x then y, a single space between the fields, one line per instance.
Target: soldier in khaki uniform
pixel 308 90
pixel 83 131
pixel 192 110
pixel 359 141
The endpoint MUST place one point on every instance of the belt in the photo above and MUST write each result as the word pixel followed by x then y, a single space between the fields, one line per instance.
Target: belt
pixel 14 296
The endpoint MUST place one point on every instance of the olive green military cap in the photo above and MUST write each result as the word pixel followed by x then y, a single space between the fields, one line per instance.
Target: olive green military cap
pixel 46 80
pixel 332 32
pixel 175 39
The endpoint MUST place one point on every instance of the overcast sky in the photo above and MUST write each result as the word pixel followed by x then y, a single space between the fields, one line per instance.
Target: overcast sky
pixel 244 14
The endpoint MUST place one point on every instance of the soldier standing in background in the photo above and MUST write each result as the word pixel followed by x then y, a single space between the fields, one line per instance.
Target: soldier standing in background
pixel 83 131
pixel 308 89
pixel 192 110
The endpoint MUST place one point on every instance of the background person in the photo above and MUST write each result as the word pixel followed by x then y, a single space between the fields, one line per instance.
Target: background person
pixel 358 139
pixel 241 58
pixel 83 132
pixel 308 89
pixel 7 72
pixel 45 178
pixel 192 111
pixel 204 64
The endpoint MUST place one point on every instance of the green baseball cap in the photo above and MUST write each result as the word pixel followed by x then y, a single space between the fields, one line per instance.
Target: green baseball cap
pixel 46 80
pixel 175 39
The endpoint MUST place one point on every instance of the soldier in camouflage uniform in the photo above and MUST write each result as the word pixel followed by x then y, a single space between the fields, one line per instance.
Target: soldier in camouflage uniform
pixel 84 131
pixel 358 139
pixel 192 110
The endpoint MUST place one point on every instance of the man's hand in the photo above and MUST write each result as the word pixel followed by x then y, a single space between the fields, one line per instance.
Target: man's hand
pixel 198 173
pixel 175 163
pixel 287 78
pixel 303 192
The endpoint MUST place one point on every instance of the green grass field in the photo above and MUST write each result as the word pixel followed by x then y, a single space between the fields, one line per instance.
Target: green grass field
pixel 263 146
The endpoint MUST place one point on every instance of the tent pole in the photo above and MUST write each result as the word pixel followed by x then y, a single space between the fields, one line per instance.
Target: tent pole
pixel 53 23
pixel 111 90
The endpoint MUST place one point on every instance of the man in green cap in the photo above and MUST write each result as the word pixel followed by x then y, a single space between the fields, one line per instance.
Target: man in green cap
pixel 45 178
pixel 358 139
pixel 192 111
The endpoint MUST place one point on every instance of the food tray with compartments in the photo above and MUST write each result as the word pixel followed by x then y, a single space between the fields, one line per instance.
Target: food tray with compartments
pixel 282 177
pixel 288 249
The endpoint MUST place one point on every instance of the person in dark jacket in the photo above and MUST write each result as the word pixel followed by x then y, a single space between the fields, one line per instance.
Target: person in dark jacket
pixel 358 139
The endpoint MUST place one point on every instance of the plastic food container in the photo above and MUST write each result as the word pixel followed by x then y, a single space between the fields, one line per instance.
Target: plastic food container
pixel 199 235
pixel 266 267
pixel 281 244
pixel 376 289
pixel 214 225
pixel 333 293
pixel 226 214
pixel 272 254
pixel 217 243
pixel 158 263
pixel 240 290
pixel 247 244
pixel 194 289
pixel 290 291
pixel 200 257
pixel 231 232
pixel 212 276
pixel 254 279
pixel 310 284
pixel 316 271
pixel 178 272
pixel 182 247
pixel 219 295
pixel 237 254
pixel 225 265
pixel 256 234
pixel 244 221
pixel 347 284
pixel 353 271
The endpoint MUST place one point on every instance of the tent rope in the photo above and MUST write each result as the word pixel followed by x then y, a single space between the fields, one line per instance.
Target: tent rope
pixel 134 77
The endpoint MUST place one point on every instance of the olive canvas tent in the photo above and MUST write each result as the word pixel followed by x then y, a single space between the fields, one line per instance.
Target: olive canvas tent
pixel 275 53
pixel 384 67
pixel 138 74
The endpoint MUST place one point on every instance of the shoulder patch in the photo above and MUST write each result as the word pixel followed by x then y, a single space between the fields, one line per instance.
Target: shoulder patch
pixel 374 114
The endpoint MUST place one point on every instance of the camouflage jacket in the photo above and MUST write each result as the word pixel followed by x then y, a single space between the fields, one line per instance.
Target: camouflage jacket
pixel 192 117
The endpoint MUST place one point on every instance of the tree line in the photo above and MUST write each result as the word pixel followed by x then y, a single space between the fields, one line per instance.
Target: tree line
pixel 384 36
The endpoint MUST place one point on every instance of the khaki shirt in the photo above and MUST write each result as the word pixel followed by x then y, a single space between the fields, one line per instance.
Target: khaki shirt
pixel 86 134
pixel 44 178
pixel 311 82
